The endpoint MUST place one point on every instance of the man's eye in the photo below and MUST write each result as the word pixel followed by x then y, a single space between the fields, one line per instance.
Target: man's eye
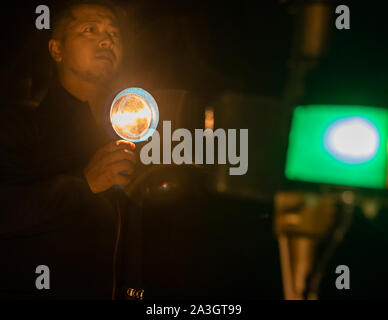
pixel 89 29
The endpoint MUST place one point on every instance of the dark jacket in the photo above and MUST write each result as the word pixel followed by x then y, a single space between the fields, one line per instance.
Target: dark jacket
pixel 48 214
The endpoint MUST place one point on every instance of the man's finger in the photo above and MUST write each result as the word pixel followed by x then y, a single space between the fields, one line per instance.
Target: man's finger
pixel 119 155
pixel 119 144
pixel 123 165
pixel 121 180
pixel 125 144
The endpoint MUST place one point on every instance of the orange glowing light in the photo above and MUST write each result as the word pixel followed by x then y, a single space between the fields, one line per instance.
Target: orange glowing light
pixel 131 116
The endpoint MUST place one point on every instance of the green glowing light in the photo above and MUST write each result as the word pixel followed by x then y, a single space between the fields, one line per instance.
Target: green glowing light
pixel 342 145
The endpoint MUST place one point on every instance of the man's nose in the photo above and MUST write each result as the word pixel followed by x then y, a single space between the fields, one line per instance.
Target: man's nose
pixel 106 41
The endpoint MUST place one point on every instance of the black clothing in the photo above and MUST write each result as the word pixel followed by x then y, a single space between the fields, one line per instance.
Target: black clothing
pixel 49 216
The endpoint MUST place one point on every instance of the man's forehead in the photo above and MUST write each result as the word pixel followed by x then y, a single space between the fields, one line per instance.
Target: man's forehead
pixel 83 13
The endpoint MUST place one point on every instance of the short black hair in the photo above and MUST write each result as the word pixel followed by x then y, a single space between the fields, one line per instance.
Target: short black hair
pixel 64 14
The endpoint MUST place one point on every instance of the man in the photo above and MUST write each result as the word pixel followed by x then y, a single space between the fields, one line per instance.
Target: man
pixel 58 166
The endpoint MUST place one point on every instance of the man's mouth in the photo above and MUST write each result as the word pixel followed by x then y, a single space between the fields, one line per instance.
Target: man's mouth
pixel 106 56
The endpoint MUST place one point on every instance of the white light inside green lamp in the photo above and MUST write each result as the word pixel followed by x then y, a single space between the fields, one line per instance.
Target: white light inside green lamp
pixel 352 139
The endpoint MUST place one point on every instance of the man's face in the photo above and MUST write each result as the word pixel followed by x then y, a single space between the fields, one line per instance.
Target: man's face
pixel 92 47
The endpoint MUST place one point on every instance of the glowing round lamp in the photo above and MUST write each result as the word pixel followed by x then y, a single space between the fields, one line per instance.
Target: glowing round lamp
pixel 134 114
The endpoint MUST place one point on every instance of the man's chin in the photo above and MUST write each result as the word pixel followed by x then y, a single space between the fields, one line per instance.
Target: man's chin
pixel 101 75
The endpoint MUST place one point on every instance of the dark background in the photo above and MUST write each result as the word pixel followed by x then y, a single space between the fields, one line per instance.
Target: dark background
pixel 244 45
pixel 208 50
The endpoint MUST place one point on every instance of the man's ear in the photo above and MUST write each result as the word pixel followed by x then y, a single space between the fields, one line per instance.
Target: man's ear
pixel 55 50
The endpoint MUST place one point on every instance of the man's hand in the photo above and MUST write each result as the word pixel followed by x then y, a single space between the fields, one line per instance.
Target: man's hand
pixel 103 170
